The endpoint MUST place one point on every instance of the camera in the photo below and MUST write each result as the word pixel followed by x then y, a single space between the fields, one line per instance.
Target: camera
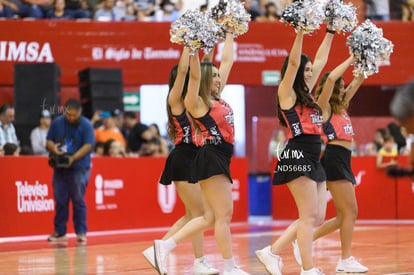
pixel 59 161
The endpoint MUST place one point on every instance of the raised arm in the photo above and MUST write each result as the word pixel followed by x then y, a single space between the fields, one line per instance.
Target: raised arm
pixel 193 102
pixel 286 94
pixel 353 87
pixel 328 87
pixel 227 60
pixel 321 58
pixel 208 57
pixel 174 98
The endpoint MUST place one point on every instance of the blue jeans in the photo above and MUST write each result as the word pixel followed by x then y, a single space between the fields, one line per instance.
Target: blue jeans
pixel 70 184
pixel 28 10
pixel 78 13
pixel 6 12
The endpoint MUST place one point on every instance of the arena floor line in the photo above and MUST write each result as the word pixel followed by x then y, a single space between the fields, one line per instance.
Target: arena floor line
pixel 386 247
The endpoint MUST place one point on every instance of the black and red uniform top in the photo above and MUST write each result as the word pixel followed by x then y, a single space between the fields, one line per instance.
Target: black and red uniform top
pixel 302 121
pixel 185 132
pixel 338 126
pixel 217 125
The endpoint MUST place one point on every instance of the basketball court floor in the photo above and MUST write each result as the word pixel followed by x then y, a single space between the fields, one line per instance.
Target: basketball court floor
pixel 386 247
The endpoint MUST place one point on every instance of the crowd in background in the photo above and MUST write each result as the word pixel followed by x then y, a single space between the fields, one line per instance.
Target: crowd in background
pixel 170 10
pixel 118 134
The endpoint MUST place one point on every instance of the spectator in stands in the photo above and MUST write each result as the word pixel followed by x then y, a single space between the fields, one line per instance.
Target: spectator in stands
pixel 379 137
pixel 378 9
pixel 107 12
pixel 7 131
pixel 354 149
pixel 250 9
pixel 11 149
pixel 167 12
pixel 7 9
pixel 130 13
pixel 277 143
pixel 387 155
pixel 112 148
pixel 26 8
pixel 99 149
pixel 96 119
pixel 409 139
pixel 394 131
pixel 75 132
pixel 38 134
pixel 150 148
pixel 26 151
pixel 45 6
pixel 271 14
pixel 138 132
pixel 163 145
pixel 142 13
pixel 77 9
pixel 370 149
pixel 108 130
pixel 194 5
pixel 147 9
pixel 58 11
pixel 118 117
pixel 407 7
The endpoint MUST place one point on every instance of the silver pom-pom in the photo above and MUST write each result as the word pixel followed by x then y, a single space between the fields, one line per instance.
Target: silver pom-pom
pixel 306 15
pixel 195 30
pixel 369 47
pixel 233 15
pixel 342 17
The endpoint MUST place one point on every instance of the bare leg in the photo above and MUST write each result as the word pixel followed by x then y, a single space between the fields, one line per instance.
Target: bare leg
pixel 343 194
pixel 217 190
pixel 190 195
pixel 305 193
pixel 196 225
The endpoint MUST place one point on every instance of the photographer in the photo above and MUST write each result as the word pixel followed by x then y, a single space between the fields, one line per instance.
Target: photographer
pixel 70 141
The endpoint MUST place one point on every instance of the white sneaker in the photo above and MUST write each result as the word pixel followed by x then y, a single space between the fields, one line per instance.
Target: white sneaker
pixel 149 255
pixel 296 252
pixel 235 271
pixel 313 271
pixel 273 263
pixel 160 257
pixel 350 265
pixel 202 267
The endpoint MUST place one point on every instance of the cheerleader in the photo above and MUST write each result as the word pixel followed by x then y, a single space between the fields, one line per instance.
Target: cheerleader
pixel 179 162
pixel 334 98
pixel 212 164
pixel 299 166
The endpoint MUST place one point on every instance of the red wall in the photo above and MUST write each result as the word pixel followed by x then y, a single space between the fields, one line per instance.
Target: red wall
pixel 131 195
pixel 144 52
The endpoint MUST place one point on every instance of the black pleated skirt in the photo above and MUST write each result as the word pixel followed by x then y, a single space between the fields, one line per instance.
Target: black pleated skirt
pixel 179 163
pixel 300 157
pixel 211 160
pixel 336 161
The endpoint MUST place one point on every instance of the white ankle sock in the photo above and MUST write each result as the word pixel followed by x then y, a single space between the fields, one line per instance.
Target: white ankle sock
pixel 169 244
pixel 197 260
pixel 229 264
pixel 307 271
pixel 273 254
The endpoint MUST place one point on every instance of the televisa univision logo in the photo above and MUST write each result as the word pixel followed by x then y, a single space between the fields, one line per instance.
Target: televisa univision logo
pixel 33 197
